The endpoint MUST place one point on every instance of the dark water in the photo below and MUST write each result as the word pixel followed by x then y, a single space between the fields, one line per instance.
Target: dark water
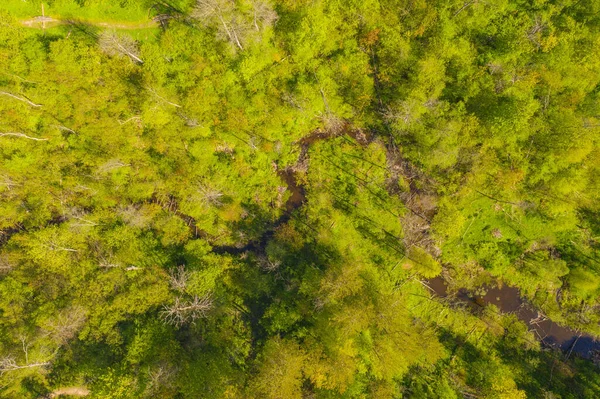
pixel 508 300
pixel 297 195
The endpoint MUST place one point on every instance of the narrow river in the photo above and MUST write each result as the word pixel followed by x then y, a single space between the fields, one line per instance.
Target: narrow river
pixel 508 300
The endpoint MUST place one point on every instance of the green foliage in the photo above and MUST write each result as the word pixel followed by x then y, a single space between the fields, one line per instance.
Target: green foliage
pixel 249 198
pixel 423 263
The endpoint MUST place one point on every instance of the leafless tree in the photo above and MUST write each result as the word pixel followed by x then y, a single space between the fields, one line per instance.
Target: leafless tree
pixel 224 148
pixel 264 15
pixel 184 311
pixel 20 98
pixel 104 256
pixel 112 164
pixel 189 122
pixel 8 363
pixel 464 6
pixel 8 182
pixel 161 98
pixel 78 216
pixel 495 68
pixel 66 324
pixel 179 278
pixel 5 264
pixel 136 118
pixel 333 124
pixel 69 391
pixel 119 45
pixel 268 264
pixel 52 245
pixel 21 135
pixel 134 216
pixel 222 13
pixel 534 33
pixel 65 129
pixel 210 195
pixel 232 23
pixel 404 113
pixel 292 100
pixel 161 376
pixel 496 233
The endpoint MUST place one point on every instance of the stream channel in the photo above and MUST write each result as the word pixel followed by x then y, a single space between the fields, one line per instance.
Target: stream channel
pixel 507 299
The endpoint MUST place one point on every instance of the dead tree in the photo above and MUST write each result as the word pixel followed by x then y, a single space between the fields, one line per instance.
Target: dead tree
pixel 21 135
pixel 119 45
pixel 220 13
pixel 5 264
pixel 9 364
pixel 184 311
pixel 263 15
pixel 233 24
pixel 23 99
pixel 161 376
pixel 268 264
pixel 210 196
pixel 151 90
pixel 111 165
pixel 8 182
pixel 134 216
pixel 65 325
pixel 534 33
pixel 179 278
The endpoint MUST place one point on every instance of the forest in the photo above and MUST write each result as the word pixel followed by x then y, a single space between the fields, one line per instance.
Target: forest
pixel 300 199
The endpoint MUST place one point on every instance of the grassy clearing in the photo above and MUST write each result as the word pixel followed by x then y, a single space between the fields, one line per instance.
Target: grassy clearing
pixel 133 11
pixel 143 34
pixel 133 16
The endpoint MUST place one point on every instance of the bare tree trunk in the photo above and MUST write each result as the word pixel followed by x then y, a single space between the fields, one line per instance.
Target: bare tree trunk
pixel 114 44
pixel 162 98
pixel 127 52
pixel 22 135
pixel 20 99
pixel 9 364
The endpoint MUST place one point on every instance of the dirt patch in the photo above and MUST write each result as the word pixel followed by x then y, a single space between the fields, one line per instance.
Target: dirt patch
pixel 70 391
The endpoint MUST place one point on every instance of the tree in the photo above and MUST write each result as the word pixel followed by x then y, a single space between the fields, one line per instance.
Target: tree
pixel 279 371
pixel 184 311
pixel 235 20
pixel 114 44
pixel 222 13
